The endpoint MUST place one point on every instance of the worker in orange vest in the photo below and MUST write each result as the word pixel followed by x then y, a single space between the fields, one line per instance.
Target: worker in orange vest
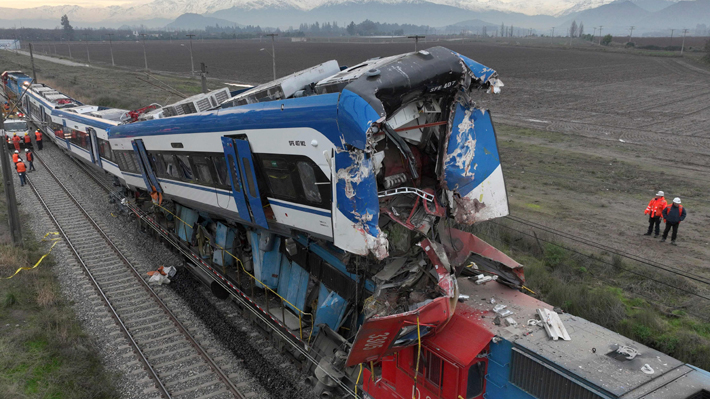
pixel 31 159
pixel 673 215
pixel 38 139
pixel 654 210
pixel 28 140
pixel 21 171
pixel 16 141
pixel 16 157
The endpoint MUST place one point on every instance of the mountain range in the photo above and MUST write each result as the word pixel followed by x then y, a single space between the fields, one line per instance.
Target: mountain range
pixel 615 15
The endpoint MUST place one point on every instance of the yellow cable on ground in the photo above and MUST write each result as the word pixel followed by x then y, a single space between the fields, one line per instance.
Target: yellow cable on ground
pixel 56 240
pixel 419 355
pixel 358 379
pixel 528 289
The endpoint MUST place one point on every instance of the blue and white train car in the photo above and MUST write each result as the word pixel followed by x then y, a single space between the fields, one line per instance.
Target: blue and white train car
pixel 328 151
pixel 80 129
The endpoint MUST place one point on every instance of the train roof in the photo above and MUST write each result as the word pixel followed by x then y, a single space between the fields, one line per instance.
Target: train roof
pixel 590 355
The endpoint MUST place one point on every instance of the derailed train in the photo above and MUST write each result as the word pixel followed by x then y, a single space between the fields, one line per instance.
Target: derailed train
pixel 325 203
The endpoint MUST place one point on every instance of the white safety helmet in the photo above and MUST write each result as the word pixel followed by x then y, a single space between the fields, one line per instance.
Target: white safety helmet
pixel 27 150
pixel 676 200
pixel 17 152
pixel 660 194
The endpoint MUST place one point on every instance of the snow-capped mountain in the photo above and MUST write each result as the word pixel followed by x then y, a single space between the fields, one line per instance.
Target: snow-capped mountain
pixel 283 13
pixel 175 8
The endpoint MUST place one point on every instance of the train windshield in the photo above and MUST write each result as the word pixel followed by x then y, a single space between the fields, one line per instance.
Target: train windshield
pixel 15 126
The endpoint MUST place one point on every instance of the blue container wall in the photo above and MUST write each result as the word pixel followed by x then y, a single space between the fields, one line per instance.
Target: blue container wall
pixel 498 384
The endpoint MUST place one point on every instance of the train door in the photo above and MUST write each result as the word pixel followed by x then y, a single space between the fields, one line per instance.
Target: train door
pixel 243 177
pixel 95 155
pixel 145 166
pixel 65 129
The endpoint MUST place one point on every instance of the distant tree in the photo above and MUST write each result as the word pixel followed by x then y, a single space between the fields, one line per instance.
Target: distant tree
pixel 606 40
pixel 68 29
pixel 351 28
pixel 512 31
pixel 581 29
pixel 573 29
pixel 502 30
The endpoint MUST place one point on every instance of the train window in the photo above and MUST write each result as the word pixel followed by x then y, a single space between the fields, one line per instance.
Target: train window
pixel 119 161
pixel 476 374
pixel 160 169
pixel 408 334
pixel 220 166
pixel 203 172
pixel 434 367
pixel 251 184
pixel 279 176
pixel 171 168
pixel 184 162
pixel 308 180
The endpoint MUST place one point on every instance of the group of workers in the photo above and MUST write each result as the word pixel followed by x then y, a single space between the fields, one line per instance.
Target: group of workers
pixel 20 164
pixel 26 141
pixel 672 214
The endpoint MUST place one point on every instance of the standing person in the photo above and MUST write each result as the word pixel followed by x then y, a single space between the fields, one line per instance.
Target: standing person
pixel 16 157
pixel 654 211
pixel 28 141
pixel 673 215
pixel 16 141
pixel 21 171
pixel 38 139
pixel 30 158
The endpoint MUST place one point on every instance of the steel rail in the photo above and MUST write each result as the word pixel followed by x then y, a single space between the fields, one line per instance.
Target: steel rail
pixel 201 351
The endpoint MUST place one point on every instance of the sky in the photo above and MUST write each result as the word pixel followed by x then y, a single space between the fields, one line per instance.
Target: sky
pixel 83 3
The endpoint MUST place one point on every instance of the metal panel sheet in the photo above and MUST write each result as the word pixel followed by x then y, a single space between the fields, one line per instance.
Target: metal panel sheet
pixel 331 309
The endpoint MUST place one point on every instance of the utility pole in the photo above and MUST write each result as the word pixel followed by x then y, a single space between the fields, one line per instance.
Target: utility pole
pixel 553 31
pixel 203 75
pixel 69 45
pixel 594 35
pixel 600 35
pixel 672 30
pixel 86 41
pixel 32 60
pixel 416 40
pixel 12 213
pixel 682 47
pixel 192 63
pixel 273 51
pixel 145 56
pixel 631 32
pixel 110 45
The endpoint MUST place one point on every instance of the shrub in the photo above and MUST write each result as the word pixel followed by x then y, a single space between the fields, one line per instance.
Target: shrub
pixel 607 40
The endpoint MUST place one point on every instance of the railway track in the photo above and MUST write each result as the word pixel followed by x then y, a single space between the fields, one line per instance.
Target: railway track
pixel 176 362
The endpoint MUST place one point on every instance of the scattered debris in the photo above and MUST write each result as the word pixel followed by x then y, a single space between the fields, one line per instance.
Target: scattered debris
pixel 553 325
pixel 162 275
pixel 647 369
pixel 511 322
pixel 627 351
pixel 481 279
